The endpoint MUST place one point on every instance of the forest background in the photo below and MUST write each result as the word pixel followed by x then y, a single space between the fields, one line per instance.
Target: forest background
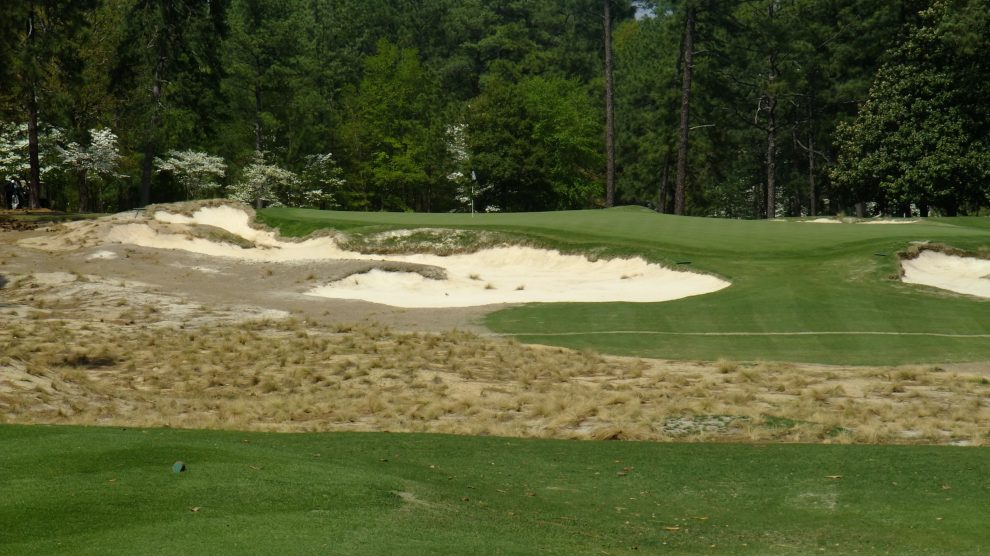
pixel 743 109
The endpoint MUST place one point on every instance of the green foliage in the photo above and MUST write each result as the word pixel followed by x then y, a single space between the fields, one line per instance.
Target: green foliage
pixel 393 132
pixel 268 59
pixel 923 136
pixel 537 143
pixel 380 83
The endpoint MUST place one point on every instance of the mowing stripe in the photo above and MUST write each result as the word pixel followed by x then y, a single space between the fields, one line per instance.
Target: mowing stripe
pixel 661 333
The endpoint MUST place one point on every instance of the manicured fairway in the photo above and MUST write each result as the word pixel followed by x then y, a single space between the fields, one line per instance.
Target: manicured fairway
pixel 73 490
pixel 801 292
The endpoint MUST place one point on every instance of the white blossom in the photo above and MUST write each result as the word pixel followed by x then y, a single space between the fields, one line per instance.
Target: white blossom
pixel 197 172
pixel 457 143
pixel 320 180
pixel 466 190
pixel 14 158
pixel 264 183
pixel 101 157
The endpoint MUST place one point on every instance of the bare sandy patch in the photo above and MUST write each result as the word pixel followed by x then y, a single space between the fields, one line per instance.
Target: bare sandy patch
pixel 512 274
pixel 102 255
pixel 967 275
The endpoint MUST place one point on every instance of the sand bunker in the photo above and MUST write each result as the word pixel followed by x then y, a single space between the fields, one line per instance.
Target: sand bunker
pixel 856 221
pixel 949 272
pixel 519 275
pixel 492 276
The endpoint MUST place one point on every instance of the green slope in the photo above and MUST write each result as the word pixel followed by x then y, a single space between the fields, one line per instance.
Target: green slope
pixel 800 291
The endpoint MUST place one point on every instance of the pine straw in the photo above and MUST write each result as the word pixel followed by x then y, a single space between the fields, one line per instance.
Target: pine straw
pixel 138 361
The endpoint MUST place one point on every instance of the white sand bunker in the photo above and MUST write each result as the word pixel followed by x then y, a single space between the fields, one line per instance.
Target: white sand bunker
pixel 491 276
pixel 857 221
pixel 949 272
pixel 521 275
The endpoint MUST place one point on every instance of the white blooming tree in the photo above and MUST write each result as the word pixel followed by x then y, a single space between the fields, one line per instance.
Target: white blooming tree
pixel 320 181
pixel 466 188
pixel 13 151
pixel 198 173
pixel 14 161
pixel 263 183
pixel 101 157
pixel 100 160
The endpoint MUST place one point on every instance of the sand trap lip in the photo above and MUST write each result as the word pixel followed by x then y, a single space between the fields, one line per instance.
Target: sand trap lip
pixel 967 275
pixel 490 276
pixel 887 221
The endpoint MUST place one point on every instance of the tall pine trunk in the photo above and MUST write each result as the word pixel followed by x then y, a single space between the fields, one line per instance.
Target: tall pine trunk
pixel 771 157
pixel 146 169
pixel 687 56
pixel 34 158
pixel 771 99
pixel 609 110
pixel 812 194
pixel 150 144
pixel 257 133
pixel 663 193
pixel 85 205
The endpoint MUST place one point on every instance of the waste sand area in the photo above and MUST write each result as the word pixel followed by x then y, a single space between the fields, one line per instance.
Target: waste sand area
pixel 509 274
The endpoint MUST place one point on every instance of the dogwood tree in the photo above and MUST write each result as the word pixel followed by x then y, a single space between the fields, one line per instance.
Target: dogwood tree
pixel 13 150
pixel 14 159
pixel 197 172
pixel 466 188
pixel 319 183
pixel 100 159
pixel 263 183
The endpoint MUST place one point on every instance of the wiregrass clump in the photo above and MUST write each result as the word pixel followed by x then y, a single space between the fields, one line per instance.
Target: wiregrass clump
pixel 435 241
pixel 99 353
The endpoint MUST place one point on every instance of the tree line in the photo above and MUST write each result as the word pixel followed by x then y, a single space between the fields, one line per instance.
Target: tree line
pixel 744 109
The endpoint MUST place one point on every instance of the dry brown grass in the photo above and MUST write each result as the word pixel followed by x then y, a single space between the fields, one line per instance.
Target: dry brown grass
pixel 77 350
